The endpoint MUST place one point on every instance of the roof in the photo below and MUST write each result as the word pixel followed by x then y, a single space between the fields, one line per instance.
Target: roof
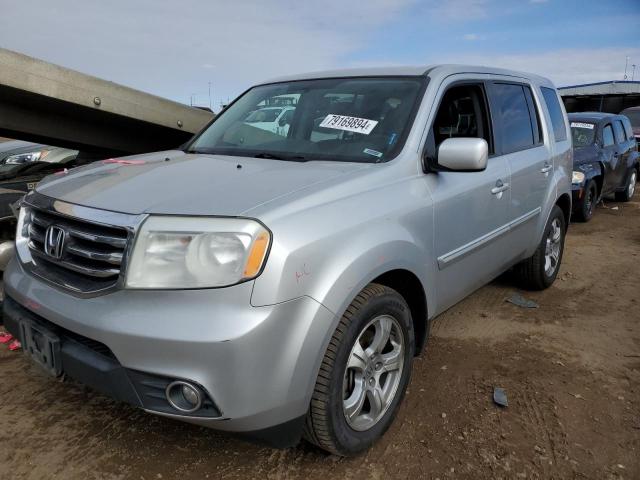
pixel 592 117
pixel 614 87
pixel 410 71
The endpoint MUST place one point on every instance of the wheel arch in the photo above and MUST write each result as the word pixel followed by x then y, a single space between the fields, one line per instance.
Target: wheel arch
pixel 407 284
pixel 564 202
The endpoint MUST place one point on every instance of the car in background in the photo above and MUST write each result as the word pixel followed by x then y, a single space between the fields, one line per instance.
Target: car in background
pixel 22 166
pixel 633 114
pixel 272 119
pixel 605 160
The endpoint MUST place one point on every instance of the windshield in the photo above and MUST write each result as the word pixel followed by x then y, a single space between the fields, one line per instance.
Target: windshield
pixel 345 119
pixel 583 134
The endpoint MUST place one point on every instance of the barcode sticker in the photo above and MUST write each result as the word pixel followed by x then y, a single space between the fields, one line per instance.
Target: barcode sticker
pixel 350 124
pixel 582 125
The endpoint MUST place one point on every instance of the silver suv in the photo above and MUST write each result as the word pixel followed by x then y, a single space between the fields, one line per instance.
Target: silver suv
pixel 278 283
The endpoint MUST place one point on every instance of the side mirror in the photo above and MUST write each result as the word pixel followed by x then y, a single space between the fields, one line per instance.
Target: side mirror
pixel 463 154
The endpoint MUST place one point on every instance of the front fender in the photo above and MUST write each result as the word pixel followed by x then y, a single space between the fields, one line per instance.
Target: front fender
pixel 332 270
pixel 591 170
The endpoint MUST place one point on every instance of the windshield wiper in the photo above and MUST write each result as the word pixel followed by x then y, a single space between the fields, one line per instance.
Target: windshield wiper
pixel 275 156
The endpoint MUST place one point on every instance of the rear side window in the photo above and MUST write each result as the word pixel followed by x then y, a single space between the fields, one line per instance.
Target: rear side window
pixel 607 136
pixel 555 112
pixel 519 125
pixel 618 130
pixel 627 128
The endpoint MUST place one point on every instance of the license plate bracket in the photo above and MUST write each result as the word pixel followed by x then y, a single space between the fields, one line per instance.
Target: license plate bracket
pixel 42 346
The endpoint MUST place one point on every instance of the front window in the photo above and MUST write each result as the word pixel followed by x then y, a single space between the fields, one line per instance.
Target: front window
pixel 583 134
pixel 344 119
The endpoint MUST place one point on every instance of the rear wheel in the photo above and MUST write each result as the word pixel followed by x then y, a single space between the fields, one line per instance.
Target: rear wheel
pixel 629 189
pixel 588 206
pixel 364 373
pixel 541 269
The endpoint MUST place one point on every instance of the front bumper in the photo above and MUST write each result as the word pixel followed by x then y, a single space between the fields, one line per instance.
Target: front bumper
pixel 258 364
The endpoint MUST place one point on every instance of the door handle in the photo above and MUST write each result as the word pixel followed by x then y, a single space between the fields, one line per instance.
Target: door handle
pixel 500 187
pixel 547 168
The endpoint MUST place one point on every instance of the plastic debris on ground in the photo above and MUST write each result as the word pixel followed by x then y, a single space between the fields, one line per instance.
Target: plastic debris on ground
pixel 500 397
pixel 520 301
pixel 15 345
pixel 5 337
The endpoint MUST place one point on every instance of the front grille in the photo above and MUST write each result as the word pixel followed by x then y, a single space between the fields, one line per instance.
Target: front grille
pixel 91 256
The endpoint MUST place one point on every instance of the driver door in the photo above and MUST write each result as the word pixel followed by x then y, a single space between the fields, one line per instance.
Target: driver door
pixel 470 208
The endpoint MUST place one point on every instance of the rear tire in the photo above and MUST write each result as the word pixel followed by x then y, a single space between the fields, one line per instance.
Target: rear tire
pixel 541 269
pixel 629 188
pixel 588 205
pixel 364 373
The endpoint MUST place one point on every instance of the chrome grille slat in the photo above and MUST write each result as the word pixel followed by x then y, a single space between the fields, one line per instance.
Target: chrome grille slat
pixel 91 237
pixel 94 272
pixel 92 255
pixel 114 258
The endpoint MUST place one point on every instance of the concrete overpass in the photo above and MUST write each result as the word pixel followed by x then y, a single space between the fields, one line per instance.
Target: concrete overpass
pixel 46 103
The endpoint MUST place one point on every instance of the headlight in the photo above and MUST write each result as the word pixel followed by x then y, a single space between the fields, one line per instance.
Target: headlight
pixel 577 178
pixel 196 252
pixel 22 234
pixel 26 157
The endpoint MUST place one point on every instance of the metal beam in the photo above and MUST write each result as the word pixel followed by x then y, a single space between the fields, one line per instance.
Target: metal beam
pixel 43 102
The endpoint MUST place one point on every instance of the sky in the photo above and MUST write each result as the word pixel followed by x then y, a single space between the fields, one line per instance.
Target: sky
pixel 177 49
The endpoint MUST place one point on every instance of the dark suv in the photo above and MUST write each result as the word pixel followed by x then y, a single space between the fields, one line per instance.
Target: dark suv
pixel 605 160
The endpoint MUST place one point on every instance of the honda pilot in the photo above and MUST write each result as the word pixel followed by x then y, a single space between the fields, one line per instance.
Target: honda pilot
pixel 279 282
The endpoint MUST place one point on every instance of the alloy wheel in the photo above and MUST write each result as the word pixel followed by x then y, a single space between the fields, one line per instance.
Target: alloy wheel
pixel 373 372
pixel 552 249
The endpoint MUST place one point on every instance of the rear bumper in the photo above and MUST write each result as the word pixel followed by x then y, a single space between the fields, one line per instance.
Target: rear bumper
pixel 257 364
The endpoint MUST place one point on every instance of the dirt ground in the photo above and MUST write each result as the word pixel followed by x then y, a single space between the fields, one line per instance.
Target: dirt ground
pixel 571 370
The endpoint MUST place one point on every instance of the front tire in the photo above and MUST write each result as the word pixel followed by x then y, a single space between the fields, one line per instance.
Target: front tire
pixel 541 269
pixel 364 373
pixel 630 187
pixel 588 205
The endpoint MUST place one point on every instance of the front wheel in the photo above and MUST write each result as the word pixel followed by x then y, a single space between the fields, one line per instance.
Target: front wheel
pixel 541 269
pixel 588 205
pixel 364 373
pixel 629 189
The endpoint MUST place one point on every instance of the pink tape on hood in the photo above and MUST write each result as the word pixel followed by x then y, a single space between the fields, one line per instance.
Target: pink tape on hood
pixel 124 162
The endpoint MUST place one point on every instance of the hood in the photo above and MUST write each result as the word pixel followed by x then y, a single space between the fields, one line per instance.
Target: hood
pixel 585 154
pixel 187 184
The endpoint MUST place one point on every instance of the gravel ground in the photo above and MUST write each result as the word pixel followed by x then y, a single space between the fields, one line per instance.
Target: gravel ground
pixel 571 370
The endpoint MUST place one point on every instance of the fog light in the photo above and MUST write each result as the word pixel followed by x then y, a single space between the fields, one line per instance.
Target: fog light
pixel 183 396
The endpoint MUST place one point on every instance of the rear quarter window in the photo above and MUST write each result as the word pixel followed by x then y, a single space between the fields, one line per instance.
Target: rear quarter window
pixel 555 112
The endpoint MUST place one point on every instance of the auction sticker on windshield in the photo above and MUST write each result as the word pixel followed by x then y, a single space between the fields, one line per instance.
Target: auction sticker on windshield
pixel 582 125
pixel 350 124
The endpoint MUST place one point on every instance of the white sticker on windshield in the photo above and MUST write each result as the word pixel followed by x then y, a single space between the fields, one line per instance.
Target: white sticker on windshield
pixel 375 153
pixel 350 124
pixel 582 125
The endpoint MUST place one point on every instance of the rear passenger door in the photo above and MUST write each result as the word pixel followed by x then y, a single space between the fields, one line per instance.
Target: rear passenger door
pixel 623 150
pixel 520 142
pixel 611 159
